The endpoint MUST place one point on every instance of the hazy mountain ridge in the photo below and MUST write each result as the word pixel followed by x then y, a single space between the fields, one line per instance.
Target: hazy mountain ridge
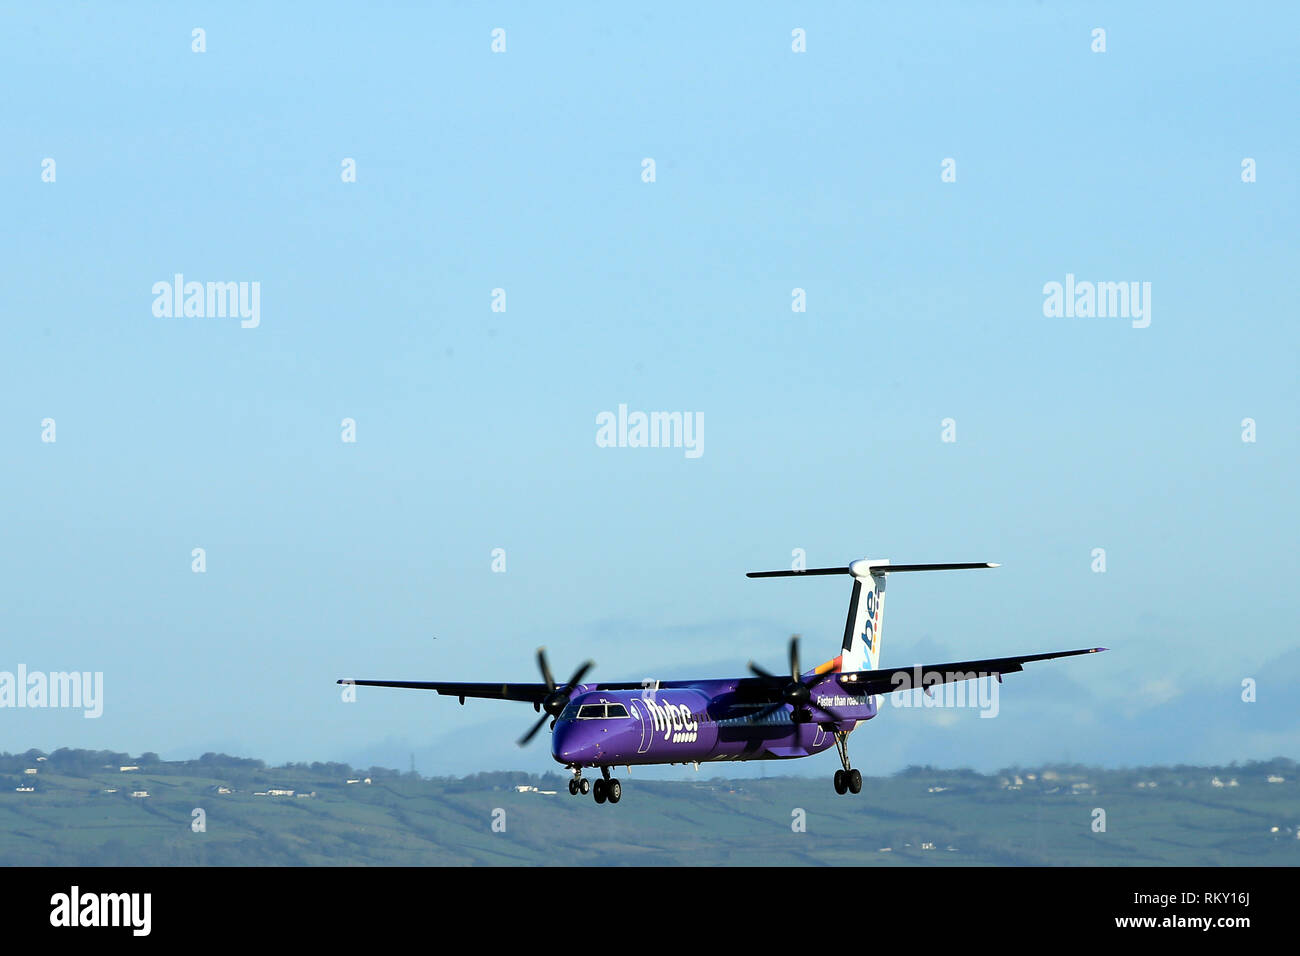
pixel 81 810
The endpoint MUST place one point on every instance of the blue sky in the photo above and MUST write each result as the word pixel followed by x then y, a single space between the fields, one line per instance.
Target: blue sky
pixel 522 170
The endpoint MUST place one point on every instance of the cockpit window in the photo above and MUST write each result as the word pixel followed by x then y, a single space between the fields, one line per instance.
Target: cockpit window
pixel 601 711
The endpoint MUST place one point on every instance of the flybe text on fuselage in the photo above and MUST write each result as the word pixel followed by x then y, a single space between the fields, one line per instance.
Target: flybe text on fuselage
pixel 674 721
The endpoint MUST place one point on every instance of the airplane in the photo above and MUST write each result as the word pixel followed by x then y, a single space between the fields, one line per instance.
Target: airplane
pixel 760 717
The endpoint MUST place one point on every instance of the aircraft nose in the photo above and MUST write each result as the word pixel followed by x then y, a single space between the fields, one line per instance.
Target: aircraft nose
pixel 565 742
pixel 592 741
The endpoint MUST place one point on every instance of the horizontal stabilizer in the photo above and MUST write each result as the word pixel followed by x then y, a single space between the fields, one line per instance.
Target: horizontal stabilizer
pixel 795 574
pixel 873 568
pixel 894 568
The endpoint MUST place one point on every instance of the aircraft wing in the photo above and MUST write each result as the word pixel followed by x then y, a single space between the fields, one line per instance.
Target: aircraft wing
pixel 532 693
pixel 890 679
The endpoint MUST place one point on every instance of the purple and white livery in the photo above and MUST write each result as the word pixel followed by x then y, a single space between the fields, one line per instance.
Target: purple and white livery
pixel 757 717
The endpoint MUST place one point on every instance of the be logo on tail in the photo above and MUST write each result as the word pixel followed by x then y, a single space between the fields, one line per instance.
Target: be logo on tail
pixel 869 628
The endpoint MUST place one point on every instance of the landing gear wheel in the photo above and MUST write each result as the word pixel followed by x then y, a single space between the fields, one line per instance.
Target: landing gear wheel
pixel 599 791
pixel 584 785
pixel 613 791
pixel 841 785
pixel 855 781
pixel 573 787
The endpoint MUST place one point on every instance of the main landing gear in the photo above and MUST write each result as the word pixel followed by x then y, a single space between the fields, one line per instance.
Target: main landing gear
pixel 848 779
pixel 607 788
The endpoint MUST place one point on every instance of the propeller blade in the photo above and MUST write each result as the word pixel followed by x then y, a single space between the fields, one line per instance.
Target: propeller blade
pixel 794 658
pixel 546 669
pixel 533 731
pixel 579 674
pixel 758 671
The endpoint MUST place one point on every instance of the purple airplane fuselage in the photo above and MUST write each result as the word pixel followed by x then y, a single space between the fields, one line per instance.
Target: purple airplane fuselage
pixel 707 720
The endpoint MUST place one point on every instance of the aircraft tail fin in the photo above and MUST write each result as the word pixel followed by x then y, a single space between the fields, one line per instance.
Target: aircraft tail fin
pixel 861 645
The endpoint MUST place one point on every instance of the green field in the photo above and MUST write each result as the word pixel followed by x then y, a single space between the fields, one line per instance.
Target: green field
pixel 1153 816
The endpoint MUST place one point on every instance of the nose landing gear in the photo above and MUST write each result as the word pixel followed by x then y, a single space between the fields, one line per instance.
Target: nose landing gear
pixel 579 783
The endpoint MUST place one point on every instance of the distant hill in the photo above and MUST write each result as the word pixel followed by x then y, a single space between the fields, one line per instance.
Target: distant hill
pixel 78 808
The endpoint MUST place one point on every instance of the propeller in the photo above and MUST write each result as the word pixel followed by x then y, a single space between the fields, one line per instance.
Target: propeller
pixel 557 698
pixel 793 691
